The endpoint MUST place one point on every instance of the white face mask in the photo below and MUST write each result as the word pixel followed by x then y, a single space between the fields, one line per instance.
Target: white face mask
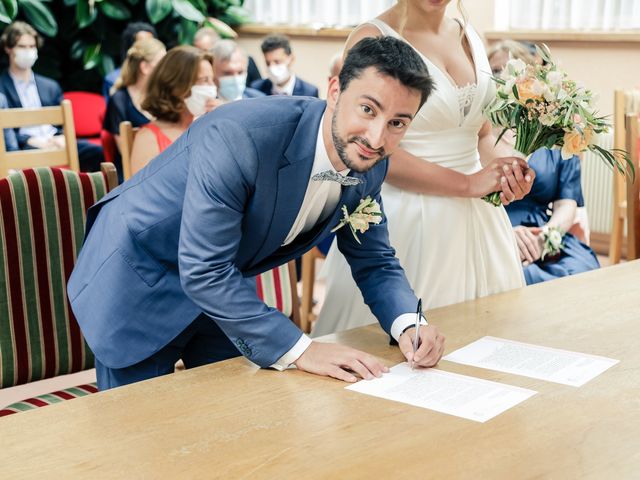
pixel 197 101
pixel 279 73
pixel 26 57
pixel 232 86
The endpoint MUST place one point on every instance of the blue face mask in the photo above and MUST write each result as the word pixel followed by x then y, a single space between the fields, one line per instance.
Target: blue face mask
pixel 232 87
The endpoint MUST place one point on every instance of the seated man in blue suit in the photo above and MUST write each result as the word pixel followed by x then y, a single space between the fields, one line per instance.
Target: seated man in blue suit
pixel 24 89
pixel 168 265
pixel 10 140
pixel 282 81
pixel 230 72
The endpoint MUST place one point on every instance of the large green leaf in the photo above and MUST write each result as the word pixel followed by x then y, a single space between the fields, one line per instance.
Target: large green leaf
pixel 84 14
pixel 40 17
pixel 10 8
pixel 158 9
pixel 235 16
pixel 115 9
pixel 107 65
pixel 77 49
pixel 92 56
pixel 186 9
pixel 70 3
pixel 4 18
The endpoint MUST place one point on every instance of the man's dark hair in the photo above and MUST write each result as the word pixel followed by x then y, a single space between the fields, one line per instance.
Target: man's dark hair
pixel 128 36
pixel 391 57
pixel 274 42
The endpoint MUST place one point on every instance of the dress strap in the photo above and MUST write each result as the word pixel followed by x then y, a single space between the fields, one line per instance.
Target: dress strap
pixel 161 138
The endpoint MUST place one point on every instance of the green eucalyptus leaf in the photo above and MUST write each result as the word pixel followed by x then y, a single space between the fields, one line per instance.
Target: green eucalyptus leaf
pixel 70 3
pixel 107 65
pixel 187 10
pixel 10 8
pixel 157 10
pixel 4 18
pixel 92 56
pixel 40 17
pixel 115 9
pixel 85 15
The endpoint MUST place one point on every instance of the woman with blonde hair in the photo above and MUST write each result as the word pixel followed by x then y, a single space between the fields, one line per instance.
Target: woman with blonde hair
pixel 128 92
pixel 453 245
pixel 179 89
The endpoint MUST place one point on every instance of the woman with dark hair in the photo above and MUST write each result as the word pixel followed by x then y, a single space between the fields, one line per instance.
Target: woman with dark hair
pixel 180 88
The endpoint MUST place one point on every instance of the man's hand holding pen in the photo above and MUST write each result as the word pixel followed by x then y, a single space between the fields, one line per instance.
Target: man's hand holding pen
pixel 430 346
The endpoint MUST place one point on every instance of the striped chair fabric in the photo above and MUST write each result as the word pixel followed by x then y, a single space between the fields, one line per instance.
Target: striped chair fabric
pixel 42 220
pixel 274 289
pixel 49 399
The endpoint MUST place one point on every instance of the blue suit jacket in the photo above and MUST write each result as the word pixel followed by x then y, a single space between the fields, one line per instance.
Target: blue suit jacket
pixel 48 89
pixel 10 141
pixel 300 88
pixel 252 93
pixel 188 233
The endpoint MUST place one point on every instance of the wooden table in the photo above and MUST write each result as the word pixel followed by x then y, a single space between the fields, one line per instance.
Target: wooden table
pixel 231 420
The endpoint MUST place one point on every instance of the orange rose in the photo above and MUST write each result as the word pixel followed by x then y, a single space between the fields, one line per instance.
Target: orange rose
pixel 528 90
pixel 575 142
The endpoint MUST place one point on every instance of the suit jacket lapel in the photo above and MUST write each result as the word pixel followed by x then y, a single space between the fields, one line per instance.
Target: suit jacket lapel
pixel 293 179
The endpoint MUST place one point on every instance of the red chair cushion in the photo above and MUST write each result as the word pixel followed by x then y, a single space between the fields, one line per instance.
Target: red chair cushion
pixel 88 112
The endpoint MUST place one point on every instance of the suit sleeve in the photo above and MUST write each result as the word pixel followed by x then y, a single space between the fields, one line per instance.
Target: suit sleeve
pixel 376 270
pixel 220 183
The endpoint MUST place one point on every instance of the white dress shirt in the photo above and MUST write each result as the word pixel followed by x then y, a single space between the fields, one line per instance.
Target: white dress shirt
pixel 30 98
pixel 286 89
pixel 320 201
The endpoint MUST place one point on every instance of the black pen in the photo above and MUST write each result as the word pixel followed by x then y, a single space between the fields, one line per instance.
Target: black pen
pixel 416 338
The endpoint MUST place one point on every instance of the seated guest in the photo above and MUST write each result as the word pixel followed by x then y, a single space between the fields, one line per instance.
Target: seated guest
pixel 128 91
pixel 10 140
pixel 177 91
pixel 282 81
pixel 557 181
pixel 230 72
pixel 206 37
pixel 132 33
pixel 25 89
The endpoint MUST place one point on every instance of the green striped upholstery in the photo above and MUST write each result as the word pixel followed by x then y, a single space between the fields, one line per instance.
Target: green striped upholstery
pixel 42 217
pixel 49 399
pixel 274 288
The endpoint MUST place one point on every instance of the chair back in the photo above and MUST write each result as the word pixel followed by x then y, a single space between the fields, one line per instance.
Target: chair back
pixel 277 288
pixel 42 222
pixel 127 136
pixel 633 189
pixel 88 113
pixel 22 117
pixel 109 146
pixel 624 102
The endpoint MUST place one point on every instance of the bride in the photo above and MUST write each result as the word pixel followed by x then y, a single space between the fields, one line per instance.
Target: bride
pixel 453 245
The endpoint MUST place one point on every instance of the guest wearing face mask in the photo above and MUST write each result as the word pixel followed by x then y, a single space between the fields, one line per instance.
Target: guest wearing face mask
pixel 282 81
pixel 179 89
pixel 25 89
pixel 230 72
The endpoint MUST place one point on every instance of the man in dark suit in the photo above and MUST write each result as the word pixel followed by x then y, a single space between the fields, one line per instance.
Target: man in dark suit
pixel 282 81
pixel 230 72
pixel 25 89
pixel 168 265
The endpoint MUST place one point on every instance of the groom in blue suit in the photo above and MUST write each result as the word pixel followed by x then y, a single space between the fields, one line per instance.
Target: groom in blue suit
pixel 167 269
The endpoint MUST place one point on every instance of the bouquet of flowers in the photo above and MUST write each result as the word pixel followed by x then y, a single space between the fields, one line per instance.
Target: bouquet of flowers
pixel 544 108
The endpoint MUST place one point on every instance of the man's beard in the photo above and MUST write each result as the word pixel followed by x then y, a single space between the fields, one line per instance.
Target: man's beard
pixel 341 148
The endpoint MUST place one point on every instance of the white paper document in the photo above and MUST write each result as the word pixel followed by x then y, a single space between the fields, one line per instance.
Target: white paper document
pixel 445 392
pixel 553 365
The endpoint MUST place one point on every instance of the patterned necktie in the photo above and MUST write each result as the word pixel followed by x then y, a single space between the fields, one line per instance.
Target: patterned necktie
pixel 332 176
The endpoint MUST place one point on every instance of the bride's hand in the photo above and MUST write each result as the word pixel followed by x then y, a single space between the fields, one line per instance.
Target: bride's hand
pixel 489 179
pixel 517 179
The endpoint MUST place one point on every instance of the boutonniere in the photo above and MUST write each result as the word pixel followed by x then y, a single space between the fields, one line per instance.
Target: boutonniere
pixel 552 242
pixel 368 211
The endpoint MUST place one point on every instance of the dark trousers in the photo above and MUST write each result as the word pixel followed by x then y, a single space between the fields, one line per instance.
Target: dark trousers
pixel 90 156
pixel 201 343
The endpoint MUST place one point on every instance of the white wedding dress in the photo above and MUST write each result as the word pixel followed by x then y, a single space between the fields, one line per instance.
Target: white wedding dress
pixel 451 248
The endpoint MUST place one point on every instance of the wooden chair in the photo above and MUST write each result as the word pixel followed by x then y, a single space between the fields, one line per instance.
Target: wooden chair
pixel 307 317
pixel 23 117
pixel 633 189
pixel 127 136
pixel 42 219
pixel 625 102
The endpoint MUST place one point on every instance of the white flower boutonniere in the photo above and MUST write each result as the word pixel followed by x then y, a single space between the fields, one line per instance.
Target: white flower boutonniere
pixel 368 211
pixel 552 241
